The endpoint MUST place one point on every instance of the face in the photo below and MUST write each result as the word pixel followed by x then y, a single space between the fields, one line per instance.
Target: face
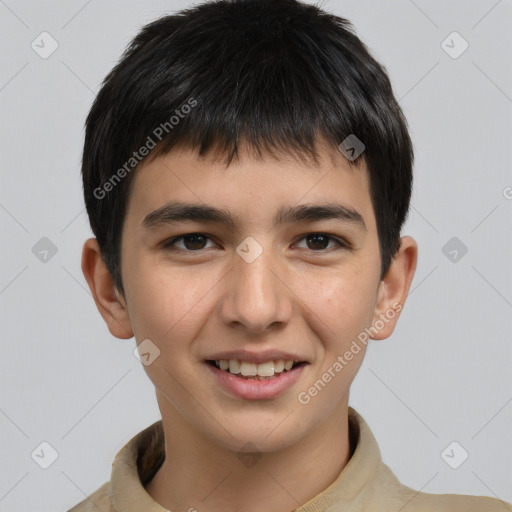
pixel 253 289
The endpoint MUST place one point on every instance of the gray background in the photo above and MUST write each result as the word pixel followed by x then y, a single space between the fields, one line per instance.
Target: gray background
pixel 443 376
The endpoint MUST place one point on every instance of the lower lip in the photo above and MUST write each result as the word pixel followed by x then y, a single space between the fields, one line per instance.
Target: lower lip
pixel 254 389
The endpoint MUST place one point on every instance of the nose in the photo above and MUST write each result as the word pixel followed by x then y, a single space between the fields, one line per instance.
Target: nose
pixel 256 296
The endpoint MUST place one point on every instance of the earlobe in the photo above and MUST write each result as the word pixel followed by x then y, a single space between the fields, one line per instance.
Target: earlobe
pixel 108 300
pixel 394 288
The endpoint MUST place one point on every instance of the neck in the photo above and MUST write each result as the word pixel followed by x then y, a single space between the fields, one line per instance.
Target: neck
pixel 198 473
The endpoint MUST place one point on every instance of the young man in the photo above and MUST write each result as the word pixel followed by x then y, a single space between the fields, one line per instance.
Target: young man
pixel 247 172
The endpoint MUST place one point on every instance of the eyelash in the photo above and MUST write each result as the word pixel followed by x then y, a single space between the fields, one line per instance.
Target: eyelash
pixel 342 244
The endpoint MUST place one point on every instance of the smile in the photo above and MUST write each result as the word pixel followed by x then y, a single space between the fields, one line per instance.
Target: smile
pixel 246 369
pixel 248 383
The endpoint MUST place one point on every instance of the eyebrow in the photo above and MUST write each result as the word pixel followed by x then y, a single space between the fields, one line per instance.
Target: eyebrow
pixel 176 212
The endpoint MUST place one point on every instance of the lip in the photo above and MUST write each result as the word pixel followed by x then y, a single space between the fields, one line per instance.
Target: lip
pixel 253 389
pixel 256 357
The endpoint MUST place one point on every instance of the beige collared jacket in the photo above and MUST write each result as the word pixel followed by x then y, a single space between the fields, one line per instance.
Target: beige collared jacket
pixel 366 484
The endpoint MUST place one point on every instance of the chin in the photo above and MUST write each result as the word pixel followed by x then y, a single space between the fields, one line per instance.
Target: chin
pixel 270 435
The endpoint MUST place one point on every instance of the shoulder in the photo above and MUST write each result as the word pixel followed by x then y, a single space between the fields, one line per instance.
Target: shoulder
pixel 456 502
pixel 98 500
pixel 415 501
pixel 380 490
pixel 393 495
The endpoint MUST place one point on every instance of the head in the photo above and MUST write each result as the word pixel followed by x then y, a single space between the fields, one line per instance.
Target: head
pixel 242 105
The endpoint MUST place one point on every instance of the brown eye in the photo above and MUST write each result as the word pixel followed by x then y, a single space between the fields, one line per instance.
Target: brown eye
pixel 320 241
pixel 192 242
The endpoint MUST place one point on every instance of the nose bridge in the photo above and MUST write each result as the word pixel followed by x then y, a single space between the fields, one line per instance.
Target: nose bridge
pixel 256 296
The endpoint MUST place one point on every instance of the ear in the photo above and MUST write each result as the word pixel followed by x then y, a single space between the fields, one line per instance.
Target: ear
pixel 393 289
pixel 109 301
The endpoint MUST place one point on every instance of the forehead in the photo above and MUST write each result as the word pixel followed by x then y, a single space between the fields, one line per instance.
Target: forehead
pixel 251 189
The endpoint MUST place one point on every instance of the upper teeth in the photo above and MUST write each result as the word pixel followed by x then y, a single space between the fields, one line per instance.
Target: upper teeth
pixel 267 369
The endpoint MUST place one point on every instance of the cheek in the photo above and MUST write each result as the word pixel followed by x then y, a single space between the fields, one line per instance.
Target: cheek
pixel 339 309
pixel 342 303
pixel 167 301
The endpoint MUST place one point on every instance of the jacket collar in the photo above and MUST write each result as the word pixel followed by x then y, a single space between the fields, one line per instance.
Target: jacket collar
pixel 141 457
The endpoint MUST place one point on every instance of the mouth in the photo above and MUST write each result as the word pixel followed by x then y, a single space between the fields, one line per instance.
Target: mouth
pixel 247 380
pixel 268 370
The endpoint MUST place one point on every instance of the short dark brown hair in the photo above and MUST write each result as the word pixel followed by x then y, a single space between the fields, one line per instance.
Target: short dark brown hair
pixel 273 74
